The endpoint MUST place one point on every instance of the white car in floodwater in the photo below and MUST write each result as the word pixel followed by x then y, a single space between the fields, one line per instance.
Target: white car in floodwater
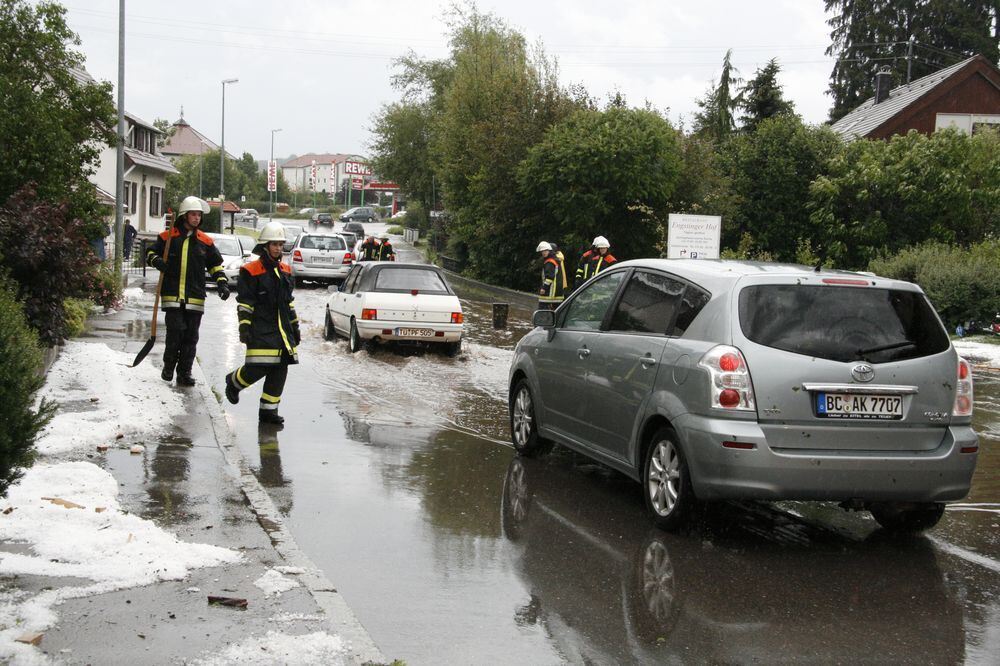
pixel 389 302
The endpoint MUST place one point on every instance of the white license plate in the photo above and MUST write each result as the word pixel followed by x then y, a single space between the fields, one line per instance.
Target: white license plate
pixel 859 406
pixel 322 260
pixel 414 332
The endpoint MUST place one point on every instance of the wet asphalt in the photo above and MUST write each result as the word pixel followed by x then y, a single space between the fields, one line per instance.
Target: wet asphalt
pixel 395 476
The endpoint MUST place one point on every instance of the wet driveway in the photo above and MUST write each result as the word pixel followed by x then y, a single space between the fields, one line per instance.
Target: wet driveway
pixel 396 478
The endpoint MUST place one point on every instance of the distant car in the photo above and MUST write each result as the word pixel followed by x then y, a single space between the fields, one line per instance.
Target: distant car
pixel 709 380
pixel 381 303
pixel 248 216
pixel 321 219
pixel 232 255
pixel 292 231
pixel 306 211
pixel 355 228
pixel 360 214
pixel 320 258
pixel 350 238
pixel 398 215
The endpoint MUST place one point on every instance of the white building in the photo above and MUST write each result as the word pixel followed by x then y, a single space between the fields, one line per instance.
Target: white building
pixel 331 171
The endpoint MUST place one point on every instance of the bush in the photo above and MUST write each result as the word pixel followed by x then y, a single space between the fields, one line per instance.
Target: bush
pixel 76 316
pixel 20 379
pixel 53 260
pixel 961 283
pixel 395 229
pixel 107 288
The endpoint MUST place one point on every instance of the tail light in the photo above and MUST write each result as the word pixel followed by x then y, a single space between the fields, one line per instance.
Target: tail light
pixel 297 256
pixel 963 390
pixel 369 313
pixel 457 318
pixel 731 387
pixel 348 258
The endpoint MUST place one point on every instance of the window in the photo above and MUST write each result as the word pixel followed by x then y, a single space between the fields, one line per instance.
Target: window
pixel 694 300
pixel 352 280
pixel 156 201
pixel 407 279
pixel 842 323
pixel 131 197
pixel 648 304
pixel 588 307
pixel 322 243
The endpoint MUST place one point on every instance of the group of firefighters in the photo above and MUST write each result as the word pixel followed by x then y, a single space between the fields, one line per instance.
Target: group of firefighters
pixel 555 284
pixel 268 323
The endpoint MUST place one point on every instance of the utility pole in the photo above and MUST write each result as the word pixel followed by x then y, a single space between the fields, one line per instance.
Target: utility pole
pixel 120 155
pixel 909 58
pixel 222 162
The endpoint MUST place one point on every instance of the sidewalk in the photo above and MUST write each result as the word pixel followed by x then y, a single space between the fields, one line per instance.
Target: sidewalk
pixel 111 555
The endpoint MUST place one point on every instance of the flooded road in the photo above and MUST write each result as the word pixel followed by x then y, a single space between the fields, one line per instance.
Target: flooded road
pixel 396 477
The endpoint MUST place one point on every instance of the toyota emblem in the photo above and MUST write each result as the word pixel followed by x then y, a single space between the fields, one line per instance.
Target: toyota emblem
pixel 863 372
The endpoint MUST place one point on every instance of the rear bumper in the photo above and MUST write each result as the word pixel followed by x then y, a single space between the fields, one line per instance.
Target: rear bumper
pixel 369 330
pixel 321 272
pixel 940 475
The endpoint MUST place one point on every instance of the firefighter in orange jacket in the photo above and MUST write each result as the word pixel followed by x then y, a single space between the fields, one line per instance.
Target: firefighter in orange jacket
pixel 553 287
pixel 594 260
pixel 182 293
pixel 269 326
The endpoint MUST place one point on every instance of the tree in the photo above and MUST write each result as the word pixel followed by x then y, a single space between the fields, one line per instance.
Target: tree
pixel 167 130
pixel 716 118
pixel 400 149
pixel 54 120
pixel 770 172
pixel 763 97
pixel 607 173
pixel 869 34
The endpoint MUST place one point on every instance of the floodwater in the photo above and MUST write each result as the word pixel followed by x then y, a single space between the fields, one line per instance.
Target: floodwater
pixel 396 477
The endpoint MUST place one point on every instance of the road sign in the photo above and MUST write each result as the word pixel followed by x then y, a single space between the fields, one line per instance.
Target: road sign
pixel 272 176
pixel 693 236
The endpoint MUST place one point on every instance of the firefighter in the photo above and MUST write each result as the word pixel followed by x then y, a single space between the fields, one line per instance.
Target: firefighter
pixel 385 250
pixel 553 288
pixel 182 293
pixel 594 260
pixel 268 324
pixel 369 249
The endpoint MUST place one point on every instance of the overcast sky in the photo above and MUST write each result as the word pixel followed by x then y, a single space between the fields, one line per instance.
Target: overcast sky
pixel 320 70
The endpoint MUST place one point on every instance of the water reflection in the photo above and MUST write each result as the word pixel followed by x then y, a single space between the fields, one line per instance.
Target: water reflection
pixel 746 583
pixel 167 472
pixel 269 472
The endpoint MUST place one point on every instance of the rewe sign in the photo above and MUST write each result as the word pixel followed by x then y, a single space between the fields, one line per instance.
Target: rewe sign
pixel 357 169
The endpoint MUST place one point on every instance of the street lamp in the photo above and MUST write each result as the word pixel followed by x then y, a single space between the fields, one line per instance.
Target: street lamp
pixel 273 195
pixel 222 160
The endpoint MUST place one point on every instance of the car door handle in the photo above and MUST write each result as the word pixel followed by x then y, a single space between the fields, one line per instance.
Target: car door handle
pixel 583 353
pixel 647 361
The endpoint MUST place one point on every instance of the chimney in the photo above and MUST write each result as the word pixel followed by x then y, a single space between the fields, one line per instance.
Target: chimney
pixel 883 84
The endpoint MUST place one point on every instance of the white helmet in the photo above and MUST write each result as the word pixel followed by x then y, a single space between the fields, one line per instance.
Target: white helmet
pixel 544 245
pixel 272 231
pixel 600 242
pixel 383 236
pixel 192 203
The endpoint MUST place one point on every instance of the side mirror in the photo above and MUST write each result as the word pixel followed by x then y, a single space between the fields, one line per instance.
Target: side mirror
pixel 544 318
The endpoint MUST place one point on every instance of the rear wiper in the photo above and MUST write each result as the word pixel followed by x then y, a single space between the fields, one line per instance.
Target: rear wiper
pixel 882 348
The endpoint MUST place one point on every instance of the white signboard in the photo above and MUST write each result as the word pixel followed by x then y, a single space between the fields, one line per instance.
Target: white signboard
pixel 272 176
pixel 357 169
pixel 693 236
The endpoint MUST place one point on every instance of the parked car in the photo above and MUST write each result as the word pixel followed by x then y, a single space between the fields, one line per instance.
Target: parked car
pixel 320 258
pixel 360 214
pixel 248 243
pixel 292 231
pixel 232 256
pixel 717 379
pixel 355 228
pixel 350 238
pixel 247 216
pixel 398 215
pixel 382 303
pixel 306 211
pixel 320 219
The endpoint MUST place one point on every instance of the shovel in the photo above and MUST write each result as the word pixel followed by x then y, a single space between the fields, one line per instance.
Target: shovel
pixel 146 348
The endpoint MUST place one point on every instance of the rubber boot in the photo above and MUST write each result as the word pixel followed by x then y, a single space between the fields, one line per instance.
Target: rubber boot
pixel 269 416
pixel 232 392
pixel 184 365
pixel 167 373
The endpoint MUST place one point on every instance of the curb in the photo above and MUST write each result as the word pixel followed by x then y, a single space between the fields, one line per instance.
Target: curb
pixel 342 621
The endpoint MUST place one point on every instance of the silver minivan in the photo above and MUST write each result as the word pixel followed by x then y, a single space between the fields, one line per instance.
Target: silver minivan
pixel 711 380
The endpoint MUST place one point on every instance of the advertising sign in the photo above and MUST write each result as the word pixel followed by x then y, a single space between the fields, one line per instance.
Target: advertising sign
pixel 357 169
pixel 693 236
pixel 272 176
pixel 357 183
pixel 381 186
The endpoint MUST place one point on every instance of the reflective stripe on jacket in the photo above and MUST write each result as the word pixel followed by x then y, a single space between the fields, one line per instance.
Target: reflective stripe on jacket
pixel 191 256
pixel 553 288
pixel 266 304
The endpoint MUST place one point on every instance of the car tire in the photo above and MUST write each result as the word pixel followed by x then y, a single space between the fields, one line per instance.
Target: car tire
pixel 906 516
pixel 453 349
pixel 666 481
pixel 354 342
pixel 329 332
pixel 370 220
pixel 523 424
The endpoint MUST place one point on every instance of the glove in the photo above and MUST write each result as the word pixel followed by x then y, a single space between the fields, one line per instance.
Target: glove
pixel 298 336
pixel 245 334
pixel 158 263
pixel 224 290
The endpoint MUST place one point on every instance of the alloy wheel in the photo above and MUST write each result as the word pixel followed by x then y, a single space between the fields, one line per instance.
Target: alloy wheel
pixel 523 418
pixel 664 482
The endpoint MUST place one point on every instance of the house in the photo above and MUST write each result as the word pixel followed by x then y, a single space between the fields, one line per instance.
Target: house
pixel 965 95
pixel 145 176
pixel 331 171
pixel 186 140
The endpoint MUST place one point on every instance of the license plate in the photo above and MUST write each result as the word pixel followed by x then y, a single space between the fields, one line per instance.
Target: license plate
pixel 858 406
pixel 415 332
pixel 322 260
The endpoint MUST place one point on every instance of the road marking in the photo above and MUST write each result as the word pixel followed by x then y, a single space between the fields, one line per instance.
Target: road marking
pixel 966 554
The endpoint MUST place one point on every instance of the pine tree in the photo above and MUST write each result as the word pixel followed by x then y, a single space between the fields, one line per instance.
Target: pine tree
pixel 763 97
pixel 716 118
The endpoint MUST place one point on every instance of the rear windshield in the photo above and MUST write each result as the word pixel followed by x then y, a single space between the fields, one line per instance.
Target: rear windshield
pixel 842 323
pixel 229 247
pixel 322 243
pixel 407 279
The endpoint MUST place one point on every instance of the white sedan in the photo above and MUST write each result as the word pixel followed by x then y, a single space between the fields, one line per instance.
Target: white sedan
pixel 388 302
pixel 233 255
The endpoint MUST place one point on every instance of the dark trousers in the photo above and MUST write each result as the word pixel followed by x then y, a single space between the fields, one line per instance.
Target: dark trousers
pixel 182 339
pixel 274 375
